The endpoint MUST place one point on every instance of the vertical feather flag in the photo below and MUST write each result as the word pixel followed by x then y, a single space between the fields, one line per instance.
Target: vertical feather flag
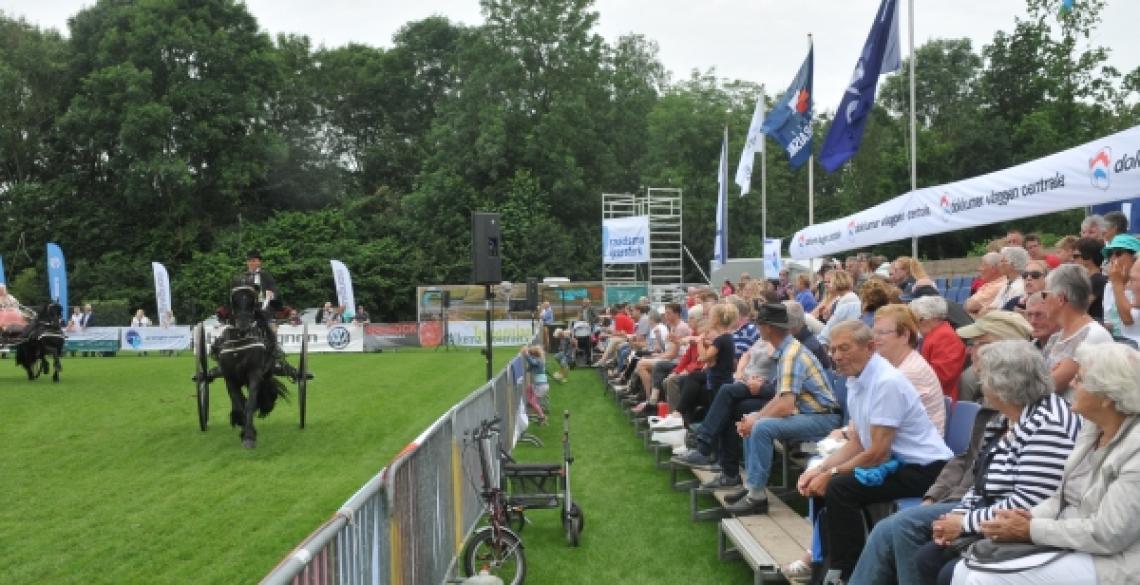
pixel 720 245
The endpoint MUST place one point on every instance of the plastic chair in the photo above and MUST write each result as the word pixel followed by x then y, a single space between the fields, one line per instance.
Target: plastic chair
pixel 949 411
pixel 960 426
pixel 940 283
pixel 950 293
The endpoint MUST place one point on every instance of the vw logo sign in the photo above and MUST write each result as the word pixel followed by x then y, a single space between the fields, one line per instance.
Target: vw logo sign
pixel 339 337
pixel 134 339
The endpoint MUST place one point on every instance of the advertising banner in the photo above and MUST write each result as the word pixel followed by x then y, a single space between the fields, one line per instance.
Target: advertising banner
pixel 772 258
pixel 625 240
pixel 343 281
pixel 473 333
pixel 346 338
pixel 96 339
pixel 161 292
pixel 57 276
pixel 380 336
pixel 1101 171
pixel 154 338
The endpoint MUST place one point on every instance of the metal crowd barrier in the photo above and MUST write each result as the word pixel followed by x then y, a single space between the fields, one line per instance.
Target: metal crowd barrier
pixel 407 525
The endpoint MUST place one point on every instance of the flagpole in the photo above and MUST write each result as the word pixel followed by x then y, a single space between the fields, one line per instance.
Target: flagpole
pixel 811 162
pixel 763 191
pixel 913 130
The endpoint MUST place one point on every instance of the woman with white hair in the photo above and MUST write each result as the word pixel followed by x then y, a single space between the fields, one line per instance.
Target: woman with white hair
pixel 941 346
pixel 1013 262
pixel 1091 518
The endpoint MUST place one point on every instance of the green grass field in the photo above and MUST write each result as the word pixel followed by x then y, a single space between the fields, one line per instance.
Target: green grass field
pixel 107 479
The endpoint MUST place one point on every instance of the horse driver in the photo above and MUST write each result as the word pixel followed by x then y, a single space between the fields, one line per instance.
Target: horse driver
pixel 12 318
pixel 269 300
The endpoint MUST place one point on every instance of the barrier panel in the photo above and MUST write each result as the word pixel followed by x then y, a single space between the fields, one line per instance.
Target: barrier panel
pixel 408 523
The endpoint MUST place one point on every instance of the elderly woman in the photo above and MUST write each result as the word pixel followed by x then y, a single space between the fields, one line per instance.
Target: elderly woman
pixel 896 335
pixel 1014 259
pixel 1034 277
pixel 1093 514
pixel 1066 300
pixel 1018 464
pixel 846 306
pixel 941 346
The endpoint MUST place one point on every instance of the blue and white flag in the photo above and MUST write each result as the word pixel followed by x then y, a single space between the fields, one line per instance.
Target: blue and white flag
pixel 343 281
pixel 789 122
pixel 3 280
pixel 57 276
pixel 753 143
pixel 880 55
pixel 161 293
pixel 720 245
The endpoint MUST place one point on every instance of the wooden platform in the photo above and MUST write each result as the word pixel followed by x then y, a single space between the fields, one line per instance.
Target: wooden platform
pixel 765 541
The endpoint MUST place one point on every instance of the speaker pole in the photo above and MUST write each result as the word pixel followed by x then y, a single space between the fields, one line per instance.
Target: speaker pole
pixel 487 310
pixel 443 311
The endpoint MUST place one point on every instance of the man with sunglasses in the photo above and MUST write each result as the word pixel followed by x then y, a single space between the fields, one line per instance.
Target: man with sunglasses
pixel 1121 316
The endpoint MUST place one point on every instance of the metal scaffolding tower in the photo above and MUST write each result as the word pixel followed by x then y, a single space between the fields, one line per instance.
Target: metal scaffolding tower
pixel 665 270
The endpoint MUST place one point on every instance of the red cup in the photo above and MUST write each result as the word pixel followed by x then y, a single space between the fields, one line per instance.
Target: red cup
pixel 662 409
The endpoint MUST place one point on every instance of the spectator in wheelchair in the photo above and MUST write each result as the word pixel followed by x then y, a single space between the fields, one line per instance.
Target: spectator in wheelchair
pixel 1089 522
pixel 1018 459
pixel 895 451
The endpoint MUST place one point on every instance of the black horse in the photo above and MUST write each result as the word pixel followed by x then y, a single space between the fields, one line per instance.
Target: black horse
pixel 42 338
pixel 246 358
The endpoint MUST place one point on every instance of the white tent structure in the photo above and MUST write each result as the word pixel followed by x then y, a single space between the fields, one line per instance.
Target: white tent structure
pixel 1101 171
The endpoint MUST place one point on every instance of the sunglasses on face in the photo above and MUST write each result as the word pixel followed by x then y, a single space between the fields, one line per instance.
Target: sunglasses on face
pixel 1076 256
pixel 1120 252
pixel 1034 274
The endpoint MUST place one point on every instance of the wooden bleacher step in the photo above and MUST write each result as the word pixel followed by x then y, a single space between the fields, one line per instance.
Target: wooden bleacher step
pixel 765 541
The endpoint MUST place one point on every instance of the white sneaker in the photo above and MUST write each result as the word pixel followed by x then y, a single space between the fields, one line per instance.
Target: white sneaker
pixel 681 451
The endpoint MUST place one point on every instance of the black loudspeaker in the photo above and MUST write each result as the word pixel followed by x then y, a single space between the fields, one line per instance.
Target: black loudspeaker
pixel 486 263
pixel 445 299
pixel 531 293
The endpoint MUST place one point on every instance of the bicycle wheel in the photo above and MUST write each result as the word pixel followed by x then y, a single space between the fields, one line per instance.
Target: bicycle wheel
pixel 505 559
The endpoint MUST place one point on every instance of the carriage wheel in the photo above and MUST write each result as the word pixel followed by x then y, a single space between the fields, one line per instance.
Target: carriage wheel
pixel 573 521
pixel 303 372
pixel 202 366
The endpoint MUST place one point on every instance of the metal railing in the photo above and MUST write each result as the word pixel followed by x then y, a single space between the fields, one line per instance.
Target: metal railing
pixel 408 523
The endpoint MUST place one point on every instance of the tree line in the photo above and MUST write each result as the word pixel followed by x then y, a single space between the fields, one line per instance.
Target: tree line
pixel 178 131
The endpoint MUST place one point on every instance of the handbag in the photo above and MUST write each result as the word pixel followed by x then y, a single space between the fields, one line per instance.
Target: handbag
pixel 987 556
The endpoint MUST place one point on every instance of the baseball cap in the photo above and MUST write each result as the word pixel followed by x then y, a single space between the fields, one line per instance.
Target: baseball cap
pixel 1000 324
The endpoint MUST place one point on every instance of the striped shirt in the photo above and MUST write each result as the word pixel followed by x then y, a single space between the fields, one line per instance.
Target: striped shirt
pixel 798 371
pixel 744 338
pixel 1027 462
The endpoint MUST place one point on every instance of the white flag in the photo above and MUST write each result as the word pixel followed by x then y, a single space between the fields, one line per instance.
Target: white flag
pixel 343 281
pixel 720 244
pixel 753 143
pixel 161 291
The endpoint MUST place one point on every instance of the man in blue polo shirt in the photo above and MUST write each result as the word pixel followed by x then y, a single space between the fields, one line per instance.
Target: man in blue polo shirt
pixel 891 426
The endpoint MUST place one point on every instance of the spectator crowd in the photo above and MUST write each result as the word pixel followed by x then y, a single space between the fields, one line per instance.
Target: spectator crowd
pixel 865 361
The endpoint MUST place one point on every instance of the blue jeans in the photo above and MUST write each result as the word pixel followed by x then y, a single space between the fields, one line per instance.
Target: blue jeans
pixel 798 427
pixel 889 555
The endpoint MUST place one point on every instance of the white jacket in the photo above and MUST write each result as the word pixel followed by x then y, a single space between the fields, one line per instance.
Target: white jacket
pixel 1105 523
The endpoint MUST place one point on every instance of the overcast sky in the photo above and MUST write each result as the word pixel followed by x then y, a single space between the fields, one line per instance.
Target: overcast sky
pixel 761 41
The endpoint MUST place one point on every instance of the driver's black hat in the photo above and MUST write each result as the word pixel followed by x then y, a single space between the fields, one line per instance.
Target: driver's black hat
pixel 253 254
